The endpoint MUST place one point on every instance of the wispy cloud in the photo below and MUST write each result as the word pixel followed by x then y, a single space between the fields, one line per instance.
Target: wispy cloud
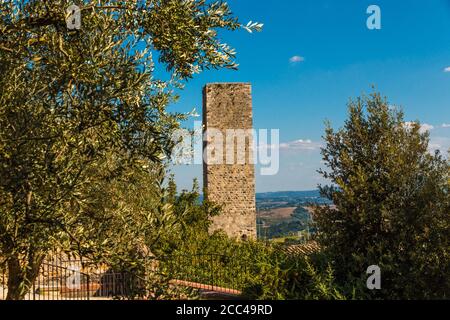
pixel 447 69
pixel 439 143
pixel 300 145
pixel 424 127
pixel 445 125
pixel 296 59
pixel 297 145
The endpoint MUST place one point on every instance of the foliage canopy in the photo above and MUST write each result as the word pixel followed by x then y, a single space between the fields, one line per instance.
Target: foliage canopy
pixel 82 113
pixel 392 204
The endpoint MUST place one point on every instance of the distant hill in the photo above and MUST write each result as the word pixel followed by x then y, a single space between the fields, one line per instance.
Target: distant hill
pixel 288 199
pixel 295 197
pixel 289 194
pixel 285 213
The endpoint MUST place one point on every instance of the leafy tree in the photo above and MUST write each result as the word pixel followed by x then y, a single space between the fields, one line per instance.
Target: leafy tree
pixel 261 270
pixel 192 219
pixel 80 108
pixel 392 204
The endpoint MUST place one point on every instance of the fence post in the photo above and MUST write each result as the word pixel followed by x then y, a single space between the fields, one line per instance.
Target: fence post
pixel 87 285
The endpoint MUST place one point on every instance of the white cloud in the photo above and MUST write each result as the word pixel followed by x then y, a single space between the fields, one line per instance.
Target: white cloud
pixel 445 125
pixel 297 145
pixel 439 143
pixel 447 69
pixel 432 147
pixel 425 127
pixel 296 59
pixel 300 145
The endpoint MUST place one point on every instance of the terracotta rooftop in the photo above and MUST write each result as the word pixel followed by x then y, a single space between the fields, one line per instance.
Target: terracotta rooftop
pixel 302 249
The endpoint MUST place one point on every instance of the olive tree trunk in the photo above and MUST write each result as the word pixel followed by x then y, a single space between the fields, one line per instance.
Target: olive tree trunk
pixel 22 276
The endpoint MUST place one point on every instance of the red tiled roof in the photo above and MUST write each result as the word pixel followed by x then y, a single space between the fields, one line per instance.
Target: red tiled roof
pixel 302 249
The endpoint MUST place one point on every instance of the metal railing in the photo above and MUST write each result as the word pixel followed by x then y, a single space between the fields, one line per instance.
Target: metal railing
pixel 54 282
pixel 212 272
pixel 77 279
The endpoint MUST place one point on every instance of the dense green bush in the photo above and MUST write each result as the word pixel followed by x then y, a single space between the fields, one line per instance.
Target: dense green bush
pixel 261 270
pixel 392 205
pixel 292 278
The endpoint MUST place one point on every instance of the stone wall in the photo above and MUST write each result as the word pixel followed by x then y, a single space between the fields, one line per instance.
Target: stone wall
pixel 230 183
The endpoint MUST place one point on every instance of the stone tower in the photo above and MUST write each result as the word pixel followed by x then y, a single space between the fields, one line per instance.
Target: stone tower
pixel 229 174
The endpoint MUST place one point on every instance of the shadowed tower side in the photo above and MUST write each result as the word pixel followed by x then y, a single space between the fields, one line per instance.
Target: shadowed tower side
pixel 229 174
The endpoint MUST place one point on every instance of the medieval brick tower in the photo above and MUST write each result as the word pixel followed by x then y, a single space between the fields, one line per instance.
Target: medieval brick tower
pixel 228 172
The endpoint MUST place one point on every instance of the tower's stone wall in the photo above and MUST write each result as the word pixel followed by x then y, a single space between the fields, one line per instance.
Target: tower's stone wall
pixel 230 184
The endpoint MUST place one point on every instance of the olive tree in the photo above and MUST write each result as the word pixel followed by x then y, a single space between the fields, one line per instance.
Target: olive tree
pixel 392 204
pixel 80 107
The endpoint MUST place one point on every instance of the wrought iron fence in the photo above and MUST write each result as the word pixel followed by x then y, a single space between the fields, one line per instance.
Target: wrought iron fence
pixel 214 272
pixel 78 279
pixel 74 279
pixel 55 281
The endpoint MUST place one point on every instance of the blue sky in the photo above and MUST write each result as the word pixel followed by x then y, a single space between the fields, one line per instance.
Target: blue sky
pixel 340 58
